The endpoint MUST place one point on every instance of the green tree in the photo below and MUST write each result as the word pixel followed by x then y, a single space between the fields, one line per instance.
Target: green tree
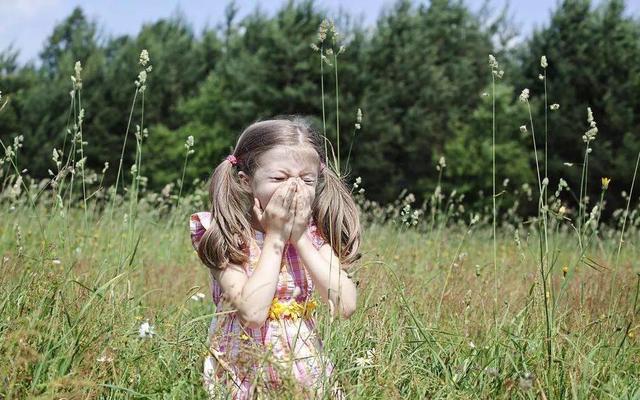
pixel 594 61
pixel 426 68
pixel 267 69
pixel 469 151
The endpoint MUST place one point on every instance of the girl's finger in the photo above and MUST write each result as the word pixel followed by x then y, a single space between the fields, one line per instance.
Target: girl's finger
pixel 298 203
pixel 290 195
pixel 281 191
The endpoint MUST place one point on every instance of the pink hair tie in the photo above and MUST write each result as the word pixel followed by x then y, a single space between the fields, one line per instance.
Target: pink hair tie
pixel 232 159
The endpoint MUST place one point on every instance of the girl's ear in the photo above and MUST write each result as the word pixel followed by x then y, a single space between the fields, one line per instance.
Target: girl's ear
pixel 244 179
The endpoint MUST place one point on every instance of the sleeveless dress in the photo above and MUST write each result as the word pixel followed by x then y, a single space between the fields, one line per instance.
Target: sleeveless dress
pixel 284 352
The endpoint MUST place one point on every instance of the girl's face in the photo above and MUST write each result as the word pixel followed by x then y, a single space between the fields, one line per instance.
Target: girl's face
pixel 280 165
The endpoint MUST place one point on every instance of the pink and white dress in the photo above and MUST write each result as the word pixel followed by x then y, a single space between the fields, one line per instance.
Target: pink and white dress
pixel 253 361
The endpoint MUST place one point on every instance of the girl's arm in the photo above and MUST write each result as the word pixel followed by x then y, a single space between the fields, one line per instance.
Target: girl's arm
pixel 252 296
pixel 330 279
pixel 323 264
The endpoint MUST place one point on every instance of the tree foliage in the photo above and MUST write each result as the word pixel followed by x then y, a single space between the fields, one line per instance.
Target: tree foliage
pixel 418 75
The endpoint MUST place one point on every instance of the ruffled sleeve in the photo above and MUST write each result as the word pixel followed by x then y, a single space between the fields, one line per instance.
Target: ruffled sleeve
pixel 198 223
pixel 315 236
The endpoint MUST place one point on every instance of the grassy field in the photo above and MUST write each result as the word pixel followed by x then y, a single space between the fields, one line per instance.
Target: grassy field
pixel 99 292
pixel 74 297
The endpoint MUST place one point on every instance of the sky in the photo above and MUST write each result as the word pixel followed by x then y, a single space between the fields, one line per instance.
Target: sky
pixel 26 24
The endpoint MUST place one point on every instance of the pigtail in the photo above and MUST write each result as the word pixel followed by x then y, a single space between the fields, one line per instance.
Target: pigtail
pixel 226 240
pixel 337 217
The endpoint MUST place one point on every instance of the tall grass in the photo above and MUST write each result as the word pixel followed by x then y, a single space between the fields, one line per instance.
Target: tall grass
pixel 453 302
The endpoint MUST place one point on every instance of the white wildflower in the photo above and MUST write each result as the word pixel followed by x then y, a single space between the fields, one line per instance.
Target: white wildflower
pixel 17 142
pixel 367 359
pixel 541 77
pixel 590 119
pixel 16 189
pixel 524 96
pixel 77 69
pixel 526 381
pixel 198 297
pixel 523 128
pixel 593 129
pixel 322 30
pixel 166 190
pixel 189 144
pixel 362 361
pixel 543 62
pixel 474 219
pixel 104 358
pixel 554 106
pixel 77 79
pixel 146 330
pixel 144 57
pixel 142 78
pixel 493 63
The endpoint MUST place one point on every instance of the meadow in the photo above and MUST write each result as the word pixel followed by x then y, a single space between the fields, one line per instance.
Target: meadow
pixel 102 295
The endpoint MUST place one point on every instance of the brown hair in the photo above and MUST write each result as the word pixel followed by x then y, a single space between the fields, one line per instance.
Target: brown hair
pixel 333 210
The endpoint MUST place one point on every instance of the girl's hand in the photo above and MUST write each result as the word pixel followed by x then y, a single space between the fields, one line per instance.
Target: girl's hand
pixel 277 218
pixel 302 215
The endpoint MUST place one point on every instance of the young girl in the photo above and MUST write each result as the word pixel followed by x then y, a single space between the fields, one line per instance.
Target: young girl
pixel 281 225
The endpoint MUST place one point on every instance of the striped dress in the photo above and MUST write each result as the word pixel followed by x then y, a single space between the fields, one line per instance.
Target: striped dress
pixel 284 352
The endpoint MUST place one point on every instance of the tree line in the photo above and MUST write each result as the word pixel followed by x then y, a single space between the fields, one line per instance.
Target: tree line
pixel 420 77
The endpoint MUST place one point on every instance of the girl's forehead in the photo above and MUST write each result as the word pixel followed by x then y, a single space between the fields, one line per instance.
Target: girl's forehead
pixel 289 158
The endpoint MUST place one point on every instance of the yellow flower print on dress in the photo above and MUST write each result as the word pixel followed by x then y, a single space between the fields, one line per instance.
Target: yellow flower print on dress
pixel 292 309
